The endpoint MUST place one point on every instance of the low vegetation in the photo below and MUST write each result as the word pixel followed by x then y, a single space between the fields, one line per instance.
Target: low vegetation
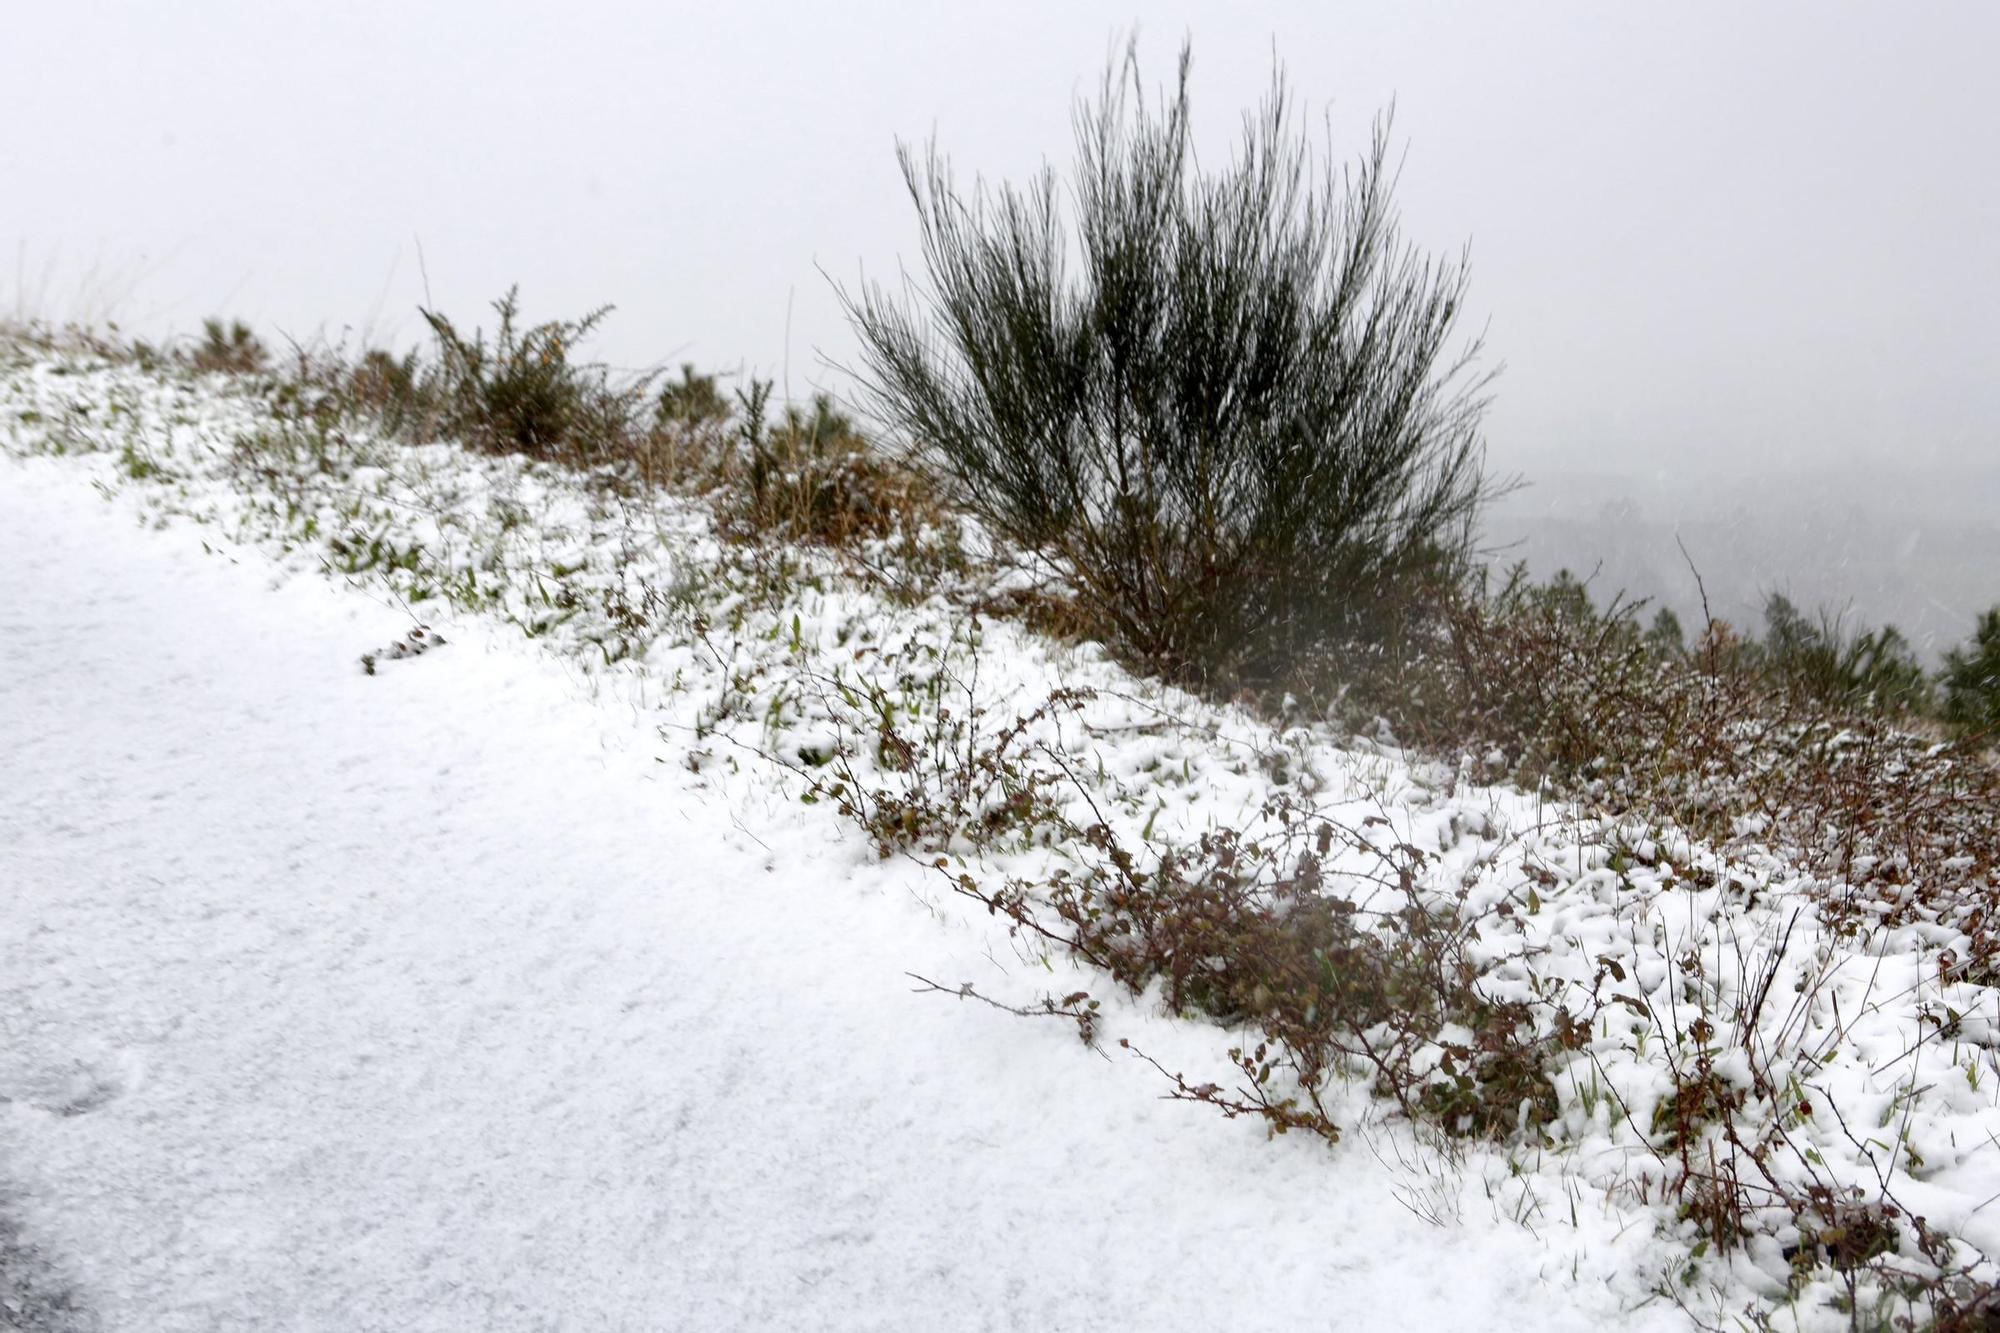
pixel 230 349
pixel 812 476
pixel 1715 842
pixel 524 390
pixel 1825 745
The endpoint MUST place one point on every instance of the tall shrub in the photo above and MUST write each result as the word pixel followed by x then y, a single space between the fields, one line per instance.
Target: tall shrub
pixel 1870 669
pixel 1971 680
pixel 1227 401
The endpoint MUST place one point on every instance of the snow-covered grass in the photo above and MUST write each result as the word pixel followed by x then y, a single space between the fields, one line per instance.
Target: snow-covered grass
pixel 1568 1019
pixel 436 1000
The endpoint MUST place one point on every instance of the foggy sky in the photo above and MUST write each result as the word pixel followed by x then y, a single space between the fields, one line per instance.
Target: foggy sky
pixel 1710 236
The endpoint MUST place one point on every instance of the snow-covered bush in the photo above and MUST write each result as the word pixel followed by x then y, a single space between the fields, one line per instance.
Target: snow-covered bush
pixel 1225 401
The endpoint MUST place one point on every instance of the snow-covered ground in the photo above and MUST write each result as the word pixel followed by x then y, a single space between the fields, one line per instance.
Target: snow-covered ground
pixel 431 999
pixel 534 980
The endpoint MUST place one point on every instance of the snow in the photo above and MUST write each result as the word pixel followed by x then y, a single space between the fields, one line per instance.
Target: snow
pixel 441 998
pixel 516 984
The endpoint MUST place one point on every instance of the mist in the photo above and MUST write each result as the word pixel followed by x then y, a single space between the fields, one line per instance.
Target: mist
pixel 1738 266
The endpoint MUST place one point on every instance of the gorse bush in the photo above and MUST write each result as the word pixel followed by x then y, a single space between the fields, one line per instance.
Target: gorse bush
pixel 1224 401
pixel 228 348
pixel 392 389
pixel 523 391
pixel 813 476
pixel 810 475
pixel 693 402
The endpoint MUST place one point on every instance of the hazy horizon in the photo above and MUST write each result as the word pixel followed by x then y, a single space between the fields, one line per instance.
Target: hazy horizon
pixel 1866 544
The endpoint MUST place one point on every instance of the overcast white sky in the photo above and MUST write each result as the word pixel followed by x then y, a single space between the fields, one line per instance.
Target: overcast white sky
pixel 1702 234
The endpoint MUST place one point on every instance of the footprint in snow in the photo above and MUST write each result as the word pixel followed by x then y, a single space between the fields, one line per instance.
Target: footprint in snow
pixel 414 644
pixel 71 1085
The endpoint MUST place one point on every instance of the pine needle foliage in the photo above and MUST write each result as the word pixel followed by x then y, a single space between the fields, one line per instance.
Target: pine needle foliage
pixel 1227 402
pixel 1870 669
pixel 1970 681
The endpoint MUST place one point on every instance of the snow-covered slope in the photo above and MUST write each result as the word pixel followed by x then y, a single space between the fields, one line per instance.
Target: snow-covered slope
pixel 533 980
pixel 430 1000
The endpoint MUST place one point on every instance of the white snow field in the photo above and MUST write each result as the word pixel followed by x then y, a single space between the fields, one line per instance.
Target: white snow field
pixel 431 999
